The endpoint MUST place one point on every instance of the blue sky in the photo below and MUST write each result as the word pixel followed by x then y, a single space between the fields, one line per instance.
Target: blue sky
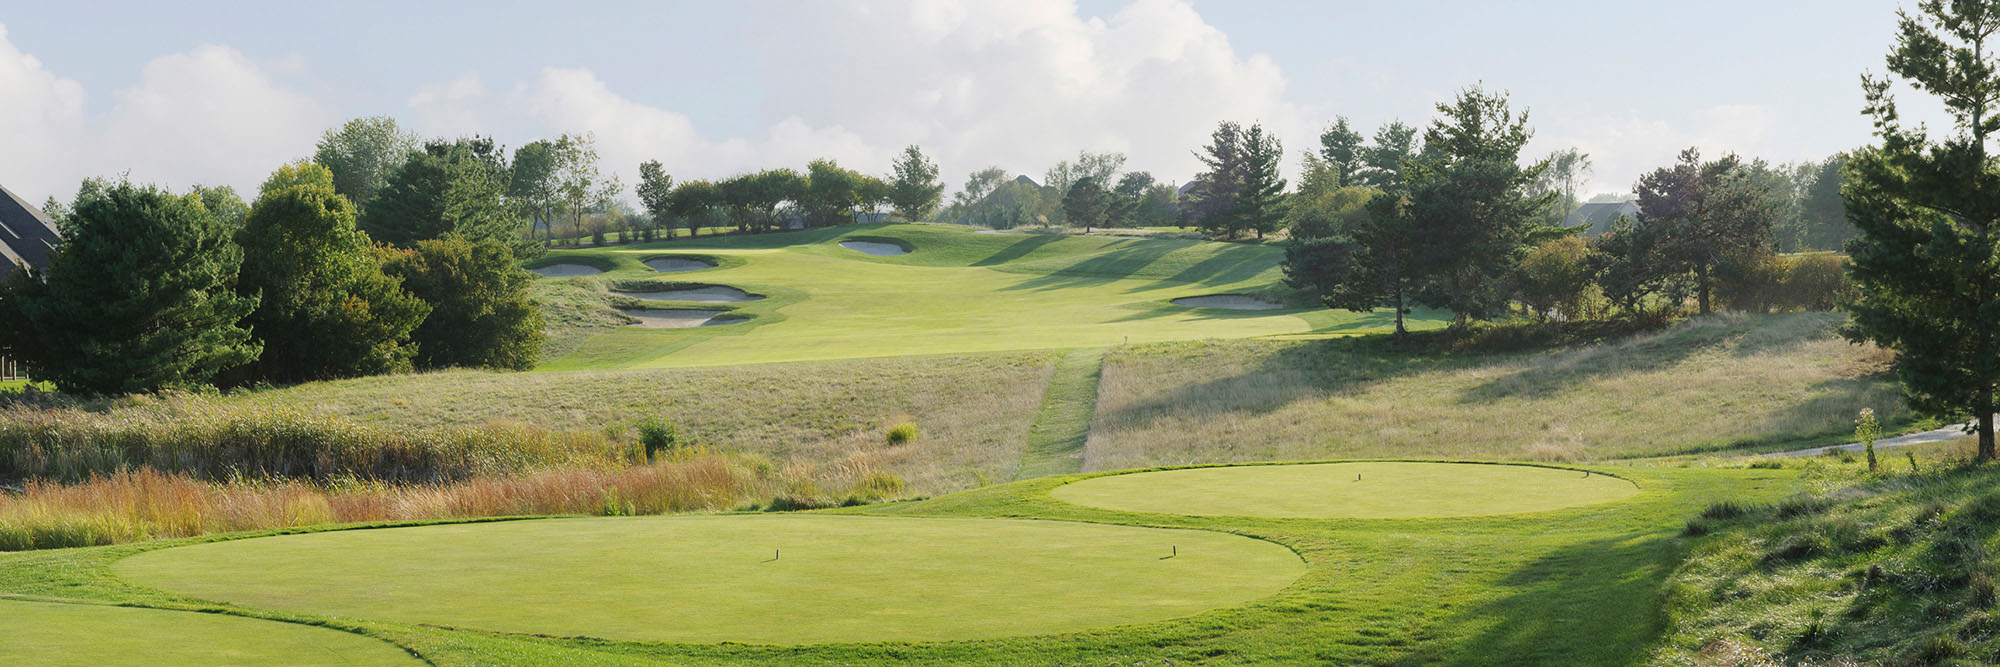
pixel 224 92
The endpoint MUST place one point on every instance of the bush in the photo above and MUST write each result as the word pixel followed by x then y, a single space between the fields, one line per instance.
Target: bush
pixel 658 435
pixel 902 433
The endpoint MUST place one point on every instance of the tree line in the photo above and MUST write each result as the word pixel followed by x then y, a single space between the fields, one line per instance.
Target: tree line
pixel 825 194
pixel 379 255
pixel 1456 218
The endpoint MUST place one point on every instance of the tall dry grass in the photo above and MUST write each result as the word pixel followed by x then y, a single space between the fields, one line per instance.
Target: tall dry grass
pixel 145 504
pixel 211 439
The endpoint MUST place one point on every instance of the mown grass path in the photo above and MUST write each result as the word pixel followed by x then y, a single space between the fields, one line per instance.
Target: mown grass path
pixel 1062 427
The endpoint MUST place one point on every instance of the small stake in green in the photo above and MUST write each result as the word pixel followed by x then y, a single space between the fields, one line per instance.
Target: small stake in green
pixel 1357 477
pixel 1177 550
pixel 774 554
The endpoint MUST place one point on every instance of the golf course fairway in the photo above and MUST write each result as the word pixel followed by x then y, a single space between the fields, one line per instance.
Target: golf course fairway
pixel 1358 490
pixel 45 633
pixel 766 579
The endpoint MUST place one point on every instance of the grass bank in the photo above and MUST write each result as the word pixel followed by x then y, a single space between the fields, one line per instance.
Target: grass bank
pixel 1713 383
pixel 1893 568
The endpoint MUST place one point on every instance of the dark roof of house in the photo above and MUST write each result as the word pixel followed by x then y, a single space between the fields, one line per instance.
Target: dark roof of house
pixel 1601 215
pixel 26 235
pixel 1024 180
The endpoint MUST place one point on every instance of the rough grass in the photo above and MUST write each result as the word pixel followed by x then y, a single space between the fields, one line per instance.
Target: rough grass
pixel 1896 568
pixel 141 505
pixel 216 440
pixel 47 633
pixel 973 410
pixel 1707 384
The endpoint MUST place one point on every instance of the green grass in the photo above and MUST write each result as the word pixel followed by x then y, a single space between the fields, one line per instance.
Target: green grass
pixel 1062 426
pixel 957 292
pixel 1572 586
pixel 1894 568
pixel 1708 384
pixel 712 579
pixel 51 634
pixel 1361 490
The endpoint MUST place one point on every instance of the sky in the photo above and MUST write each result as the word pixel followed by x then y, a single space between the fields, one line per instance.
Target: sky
pixel 221 93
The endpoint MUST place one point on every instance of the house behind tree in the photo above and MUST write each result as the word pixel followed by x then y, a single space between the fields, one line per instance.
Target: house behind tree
pixel 27 237
pixel 1601 215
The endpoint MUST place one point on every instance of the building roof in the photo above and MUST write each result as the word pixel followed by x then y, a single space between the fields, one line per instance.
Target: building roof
pixel 1601 215
pixel 27 238
pixel 1024 180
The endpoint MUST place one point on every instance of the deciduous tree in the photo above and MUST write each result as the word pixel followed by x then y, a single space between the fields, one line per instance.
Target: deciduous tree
pixel 915 192
pixel 362 153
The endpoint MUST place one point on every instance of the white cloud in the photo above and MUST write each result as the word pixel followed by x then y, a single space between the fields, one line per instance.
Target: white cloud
pixel 210 116
pixel 41 124
pixel 1021 84
pixel 1623 149
pixel 207 116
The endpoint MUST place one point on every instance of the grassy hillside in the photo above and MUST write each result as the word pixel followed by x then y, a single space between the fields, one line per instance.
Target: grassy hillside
pixel 1709 383
pixel 1895 569
pixel 974 411
pixel 956 291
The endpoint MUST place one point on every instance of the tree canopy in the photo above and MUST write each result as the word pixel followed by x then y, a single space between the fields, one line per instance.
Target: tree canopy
pixel 915 191
pixel 362 153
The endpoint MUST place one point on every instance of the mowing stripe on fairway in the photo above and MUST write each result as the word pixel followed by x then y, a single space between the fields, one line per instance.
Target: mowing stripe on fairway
pixel 51 633
pixel 768 579
pixel 1353 490
pixel 1062 427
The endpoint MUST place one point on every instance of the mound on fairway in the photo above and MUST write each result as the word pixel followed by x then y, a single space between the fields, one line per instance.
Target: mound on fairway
pixel 772 579
pixel 677 264
pixel 43 633
pixel 1361 490
pixel 677 318
pixel 1227 302
pixel 565 270
pixel 707 294
pixel 876 248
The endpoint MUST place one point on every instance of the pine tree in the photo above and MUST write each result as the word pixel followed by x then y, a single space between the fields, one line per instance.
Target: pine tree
pixel 1341 147
pixel 1212 200
pixel 141 297
pixel 1261 203
pixel 1468 198
pixel 1926 259
pixel 914 189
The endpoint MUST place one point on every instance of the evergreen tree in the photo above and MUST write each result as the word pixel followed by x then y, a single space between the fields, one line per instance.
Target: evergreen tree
pixel 1212 200
pixel 655 190
pixel 1927 259
pixel 1382 162
pixel 1368 266
pixel 327 309
pixel 1261 202
pixel 141 297
pixel 1469 200
pixel 1340 146
pixel 480 311
pixel 915 191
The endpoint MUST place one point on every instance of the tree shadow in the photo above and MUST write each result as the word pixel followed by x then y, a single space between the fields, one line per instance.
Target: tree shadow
pixel 1595 603
pixel 1234 265
pixel 1018 249
pixel 1552 371
pixel 1099 268
pixel 1313 370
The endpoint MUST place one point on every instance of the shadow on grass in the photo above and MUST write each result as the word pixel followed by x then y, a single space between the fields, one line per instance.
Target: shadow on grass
pixel 1018 249
pixel 1564 368
pixel 1100 268
pixel 1237 264
pixel 1305 371
pixel 1596 603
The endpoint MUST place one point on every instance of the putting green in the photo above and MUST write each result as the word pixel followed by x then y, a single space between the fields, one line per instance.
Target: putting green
pixel 44 633
pixel 1361 490
pixel 715 578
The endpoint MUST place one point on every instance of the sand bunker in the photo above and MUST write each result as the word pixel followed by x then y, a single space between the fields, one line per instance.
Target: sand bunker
pixel 677 264
pixel 565 270
pixel 709 294
pixel 874 248
pixel 1227 302
pixel 677 318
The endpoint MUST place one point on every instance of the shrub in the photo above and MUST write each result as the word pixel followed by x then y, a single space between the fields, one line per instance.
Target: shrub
pixel 901 433
pixel 658 435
